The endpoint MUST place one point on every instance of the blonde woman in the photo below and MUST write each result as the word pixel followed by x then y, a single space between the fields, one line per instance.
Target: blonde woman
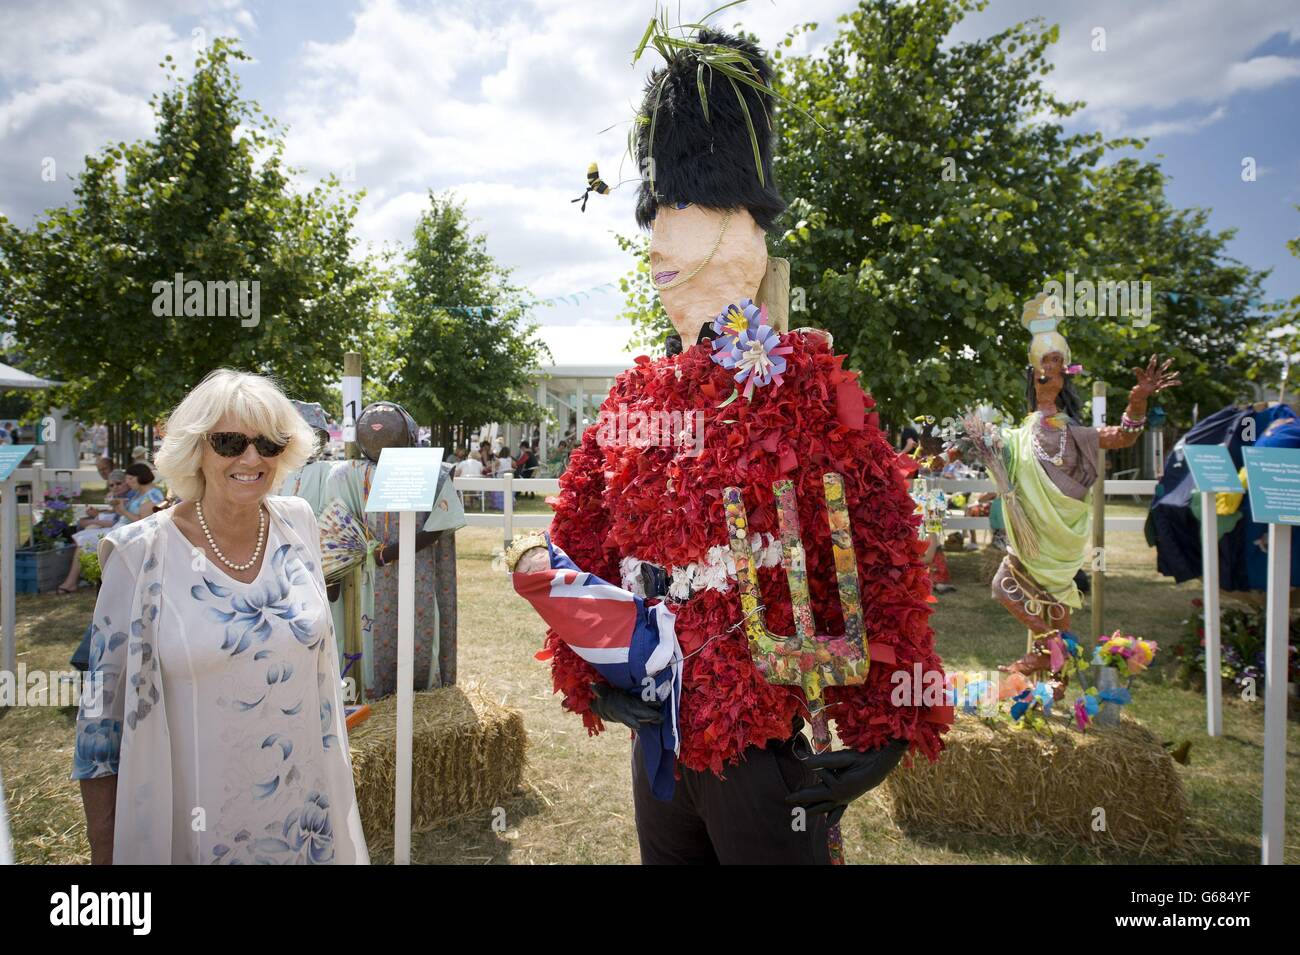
pixel 219 734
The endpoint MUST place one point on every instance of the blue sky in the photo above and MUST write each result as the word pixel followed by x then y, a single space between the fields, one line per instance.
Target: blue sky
pixel 504 103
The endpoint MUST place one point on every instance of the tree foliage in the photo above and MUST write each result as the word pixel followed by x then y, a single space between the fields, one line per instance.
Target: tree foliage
pixel 208 196
pixel 466 365
pixel 1270 351
pixel 941 192
pixel 642 305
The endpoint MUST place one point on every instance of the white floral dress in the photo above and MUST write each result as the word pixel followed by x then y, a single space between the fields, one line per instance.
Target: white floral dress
pixel 251 736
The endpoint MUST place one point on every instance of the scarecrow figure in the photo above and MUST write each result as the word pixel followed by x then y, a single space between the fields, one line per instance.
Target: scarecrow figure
pixel 1051 462
pixel 639 549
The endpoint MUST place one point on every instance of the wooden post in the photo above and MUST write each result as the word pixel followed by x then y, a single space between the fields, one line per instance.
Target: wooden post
pixel 1098 517
pixel 508 507
pixel 351 590
pixel 774 292
pixel 352 641
pixel 351 369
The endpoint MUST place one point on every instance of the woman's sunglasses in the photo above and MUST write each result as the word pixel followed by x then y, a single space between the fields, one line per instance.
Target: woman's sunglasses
pixel 231 444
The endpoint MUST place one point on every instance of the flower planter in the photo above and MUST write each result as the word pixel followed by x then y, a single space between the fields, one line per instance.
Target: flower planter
pixel 40 571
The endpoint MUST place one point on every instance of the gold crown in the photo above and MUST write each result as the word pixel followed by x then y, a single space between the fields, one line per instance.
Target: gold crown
pixel 521 544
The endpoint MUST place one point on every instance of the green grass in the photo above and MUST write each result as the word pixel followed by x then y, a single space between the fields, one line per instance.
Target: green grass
pixel 575 805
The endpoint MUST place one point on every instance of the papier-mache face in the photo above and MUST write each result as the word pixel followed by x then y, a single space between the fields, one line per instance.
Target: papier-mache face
pixel 705 195
pixel 683 240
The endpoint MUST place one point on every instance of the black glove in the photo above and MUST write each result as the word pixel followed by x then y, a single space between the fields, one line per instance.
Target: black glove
pixel 845 775
pixel 619 706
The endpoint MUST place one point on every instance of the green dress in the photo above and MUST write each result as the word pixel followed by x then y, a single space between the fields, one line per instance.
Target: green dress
pixel 308 483
pixel 1061 523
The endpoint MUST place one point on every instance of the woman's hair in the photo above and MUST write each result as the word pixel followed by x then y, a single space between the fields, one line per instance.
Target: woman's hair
pixel 141 473
pixel 1067 399
pixel 254 403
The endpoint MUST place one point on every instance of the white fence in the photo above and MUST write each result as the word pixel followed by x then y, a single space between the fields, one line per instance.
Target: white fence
pixel 509 520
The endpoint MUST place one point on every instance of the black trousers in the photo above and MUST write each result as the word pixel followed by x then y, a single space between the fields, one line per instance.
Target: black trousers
pixel 739 819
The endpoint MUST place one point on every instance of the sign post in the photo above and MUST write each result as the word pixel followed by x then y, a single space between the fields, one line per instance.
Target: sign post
pixel 1273 475
pixel 405 481
pixel 10 457
pixel 1212 471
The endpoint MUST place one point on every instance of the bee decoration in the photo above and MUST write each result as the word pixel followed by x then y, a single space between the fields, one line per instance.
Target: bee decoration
pixel 594 184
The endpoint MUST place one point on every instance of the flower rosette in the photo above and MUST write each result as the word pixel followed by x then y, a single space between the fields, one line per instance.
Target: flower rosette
pixel 1121 650
pixel 749 347
pixel 663 505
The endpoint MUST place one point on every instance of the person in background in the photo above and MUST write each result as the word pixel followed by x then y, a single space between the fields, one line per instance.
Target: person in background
pixel 99 440
pixel 910 438
pixel 139 455
pixel 470 466
pixel 6 432
pixel 525 465
pixel 104 465
pixel 501 463
pixel 96 523
pixel 143 498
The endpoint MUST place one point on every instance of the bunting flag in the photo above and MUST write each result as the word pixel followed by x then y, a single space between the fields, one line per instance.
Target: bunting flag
pixel 570 298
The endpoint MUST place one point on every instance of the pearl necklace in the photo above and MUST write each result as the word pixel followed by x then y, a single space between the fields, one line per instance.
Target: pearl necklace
pixel 261 532
pixel 1059 457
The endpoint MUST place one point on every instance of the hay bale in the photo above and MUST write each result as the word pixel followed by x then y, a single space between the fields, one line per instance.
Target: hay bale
pixel 467 756
pixel 995 779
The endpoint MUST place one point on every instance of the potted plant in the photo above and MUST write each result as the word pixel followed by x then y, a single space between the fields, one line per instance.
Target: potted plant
pixel 1241 649
pixel 44 563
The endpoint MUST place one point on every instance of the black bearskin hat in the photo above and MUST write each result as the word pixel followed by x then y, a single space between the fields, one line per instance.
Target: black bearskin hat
pixel 707 162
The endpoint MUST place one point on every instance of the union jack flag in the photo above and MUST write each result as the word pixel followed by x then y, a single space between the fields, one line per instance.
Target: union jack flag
pixel 631 644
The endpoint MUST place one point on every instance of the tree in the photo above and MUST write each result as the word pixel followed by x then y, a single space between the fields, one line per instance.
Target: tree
pixel 1203 300
pixel 207 197
pixel 933 192
pixel 472 363
pixel 643 307
pixel 1272 347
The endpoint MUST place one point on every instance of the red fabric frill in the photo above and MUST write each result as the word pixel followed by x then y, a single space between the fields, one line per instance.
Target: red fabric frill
pixel 663 504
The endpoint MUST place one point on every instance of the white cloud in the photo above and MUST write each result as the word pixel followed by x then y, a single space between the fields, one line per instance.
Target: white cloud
pixel 1175 126
pixel 1262 72
pixel 505 102
pixel 1158 56
pixel 79 76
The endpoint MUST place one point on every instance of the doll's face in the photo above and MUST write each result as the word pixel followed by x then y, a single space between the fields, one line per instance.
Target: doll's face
pixel 681 241
pixel 1049 376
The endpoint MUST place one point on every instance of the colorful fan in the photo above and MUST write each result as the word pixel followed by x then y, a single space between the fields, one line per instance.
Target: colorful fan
pixel 344 540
